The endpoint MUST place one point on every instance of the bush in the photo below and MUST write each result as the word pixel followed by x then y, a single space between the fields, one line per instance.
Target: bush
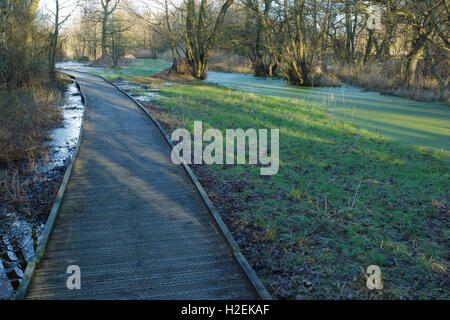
pixel 387 77
pixel 83 59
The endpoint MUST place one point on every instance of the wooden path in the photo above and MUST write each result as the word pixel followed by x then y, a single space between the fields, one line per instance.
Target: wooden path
pixel 132 221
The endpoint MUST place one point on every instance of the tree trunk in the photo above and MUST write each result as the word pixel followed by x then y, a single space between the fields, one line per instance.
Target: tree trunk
pixel 28 49
pixel 300 66
pixel 198 43
pixel 54 44
pixel 348 29
pixel 104 22
pixel 181 66
pixel 199 70
pixel 369 46
pixel 173 47
pixel 4 13
pixel 413 59
pixel 261 69
pixel 107 11
pixel 385 47
pixel 433 66
pixel 418 45
pixel 290 58
pixel 30 24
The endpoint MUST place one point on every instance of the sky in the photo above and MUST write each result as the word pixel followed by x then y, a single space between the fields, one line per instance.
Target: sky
pixel 68 6
pixel 47 6
pixel 44 4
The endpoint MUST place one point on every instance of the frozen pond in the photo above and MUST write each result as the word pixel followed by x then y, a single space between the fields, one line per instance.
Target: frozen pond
pixel 420 123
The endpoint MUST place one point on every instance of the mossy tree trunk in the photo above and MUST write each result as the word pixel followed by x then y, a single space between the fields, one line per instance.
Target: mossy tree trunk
pixel 198 41
pixel 424 29
pixel 108 8
pixel 260 67
pixel 290 53
pixel 29 24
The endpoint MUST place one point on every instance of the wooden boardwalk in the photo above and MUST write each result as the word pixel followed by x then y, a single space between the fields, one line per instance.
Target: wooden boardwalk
pixel 131 220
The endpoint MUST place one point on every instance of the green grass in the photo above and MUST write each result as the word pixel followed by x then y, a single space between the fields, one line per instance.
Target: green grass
pixel 343 199
pixel 142 67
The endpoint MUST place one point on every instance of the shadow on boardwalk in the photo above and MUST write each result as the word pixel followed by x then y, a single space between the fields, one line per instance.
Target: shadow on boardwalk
pixel 131 220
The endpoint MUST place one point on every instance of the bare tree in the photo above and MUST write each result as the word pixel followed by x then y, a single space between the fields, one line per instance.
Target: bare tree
pixel 199 41
pixel 29 24
pixel 108 8
pixel 16 41
pixel 286 40
pixel 116 44
pixel 256 49
pixel 424 19
pixel 58 21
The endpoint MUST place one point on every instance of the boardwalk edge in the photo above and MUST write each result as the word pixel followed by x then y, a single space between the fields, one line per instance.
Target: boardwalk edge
pixel 40 250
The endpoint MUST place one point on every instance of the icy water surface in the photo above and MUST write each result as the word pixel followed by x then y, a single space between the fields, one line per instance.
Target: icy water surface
pixel 414 122
pixel 64 140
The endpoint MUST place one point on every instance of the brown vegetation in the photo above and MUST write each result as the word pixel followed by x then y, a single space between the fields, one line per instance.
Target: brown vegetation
pixel 225 62
pixel 387 77
pixel 28 98
pixel 171 76
pixel 26 115
pixel 108 62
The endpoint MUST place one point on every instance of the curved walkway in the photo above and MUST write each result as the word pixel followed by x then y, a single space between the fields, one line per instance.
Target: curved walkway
pixel 131 220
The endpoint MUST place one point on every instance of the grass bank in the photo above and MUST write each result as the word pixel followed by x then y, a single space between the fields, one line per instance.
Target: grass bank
pixel 343 199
